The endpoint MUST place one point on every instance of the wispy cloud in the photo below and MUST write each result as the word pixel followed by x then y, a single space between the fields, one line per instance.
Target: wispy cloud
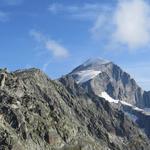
pixel 87 11
pixel 49 46
pixel 54 47
pixel 127 24
pixel 124 24
pixel 38 36
pixel 57 49
pixel 4 17
pixel 12 2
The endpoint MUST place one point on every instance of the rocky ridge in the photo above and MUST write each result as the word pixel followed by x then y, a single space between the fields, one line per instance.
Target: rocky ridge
pixel 37 113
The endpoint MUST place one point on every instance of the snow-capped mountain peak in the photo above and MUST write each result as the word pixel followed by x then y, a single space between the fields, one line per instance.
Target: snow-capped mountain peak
pixel 92 64
pixel 89 69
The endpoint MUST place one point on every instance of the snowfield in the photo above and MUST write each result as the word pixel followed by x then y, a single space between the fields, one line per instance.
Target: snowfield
pixel 86 75
pixel 108 98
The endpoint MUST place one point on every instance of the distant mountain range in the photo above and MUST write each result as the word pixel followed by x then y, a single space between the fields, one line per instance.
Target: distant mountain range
pixel 97 106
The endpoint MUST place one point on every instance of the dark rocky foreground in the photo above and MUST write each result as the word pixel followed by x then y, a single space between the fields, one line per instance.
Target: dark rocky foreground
pixel 37 113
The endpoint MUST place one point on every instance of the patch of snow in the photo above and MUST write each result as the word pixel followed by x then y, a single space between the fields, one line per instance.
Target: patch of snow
pixel 112 100
pixel 125 103
pixel 138 109
pixel 146 111
pixel 108 98
pixel 86 75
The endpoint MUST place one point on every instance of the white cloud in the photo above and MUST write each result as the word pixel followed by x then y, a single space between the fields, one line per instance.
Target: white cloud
pixel 132 20
pixel 127 24
pixel 12 2
pixel 3 17
pixel 54 47
pixel 88 11
pixel 103 26
pixel 38 36
pixel 56 8
pixel 57 49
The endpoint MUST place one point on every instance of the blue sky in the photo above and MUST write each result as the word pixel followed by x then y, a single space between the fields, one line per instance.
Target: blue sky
pixel 56 35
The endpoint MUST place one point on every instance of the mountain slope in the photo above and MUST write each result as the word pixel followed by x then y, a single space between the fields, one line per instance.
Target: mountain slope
pixel 38 113
pixel 113 80
pixel 109 81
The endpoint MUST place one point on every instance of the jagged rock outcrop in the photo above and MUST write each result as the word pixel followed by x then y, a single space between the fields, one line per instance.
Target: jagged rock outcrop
pixel 37 113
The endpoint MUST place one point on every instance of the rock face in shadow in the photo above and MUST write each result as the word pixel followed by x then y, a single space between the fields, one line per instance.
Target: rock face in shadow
pixel 38 113
pixel 146 97
pixel 138 116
